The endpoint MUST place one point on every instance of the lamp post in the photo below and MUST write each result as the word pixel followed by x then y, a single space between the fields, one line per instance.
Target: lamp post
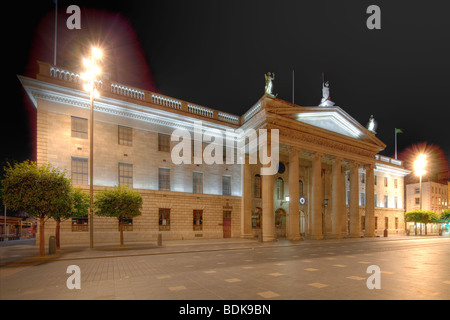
pixel 419 170
pixel 89 77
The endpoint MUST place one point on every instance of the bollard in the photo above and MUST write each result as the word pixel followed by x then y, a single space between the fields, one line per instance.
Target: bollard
pixel 52 245
pixel 159 239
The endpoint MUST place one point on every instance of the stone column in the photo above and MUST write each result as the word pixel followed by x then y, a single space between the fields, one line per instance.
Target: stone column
pixel 294 196
pixel 268 219
pixel 337 197
pixel 370 201
pixel 355 225
pixel 316 197
pixel 246 202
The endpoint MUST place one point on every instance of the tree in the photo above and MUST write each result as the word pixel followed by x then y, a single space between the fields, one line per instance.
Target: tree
pixel 80 207
pixel 120 202
pixel 420 216
pixel 41 191
pixel 445 215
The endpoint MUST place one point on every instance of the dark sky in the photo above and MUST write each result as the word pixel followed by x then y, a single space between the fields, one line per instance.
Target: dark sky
pixel 215 53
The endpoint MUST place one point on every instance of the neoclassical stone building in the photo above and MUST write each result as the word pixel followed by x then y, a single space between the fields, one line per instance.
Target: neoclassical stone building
pixel 330 181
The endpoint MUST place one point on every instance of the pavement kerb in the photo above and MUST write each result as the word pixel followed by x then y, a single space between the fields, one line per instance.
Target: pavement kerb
pixel 172 247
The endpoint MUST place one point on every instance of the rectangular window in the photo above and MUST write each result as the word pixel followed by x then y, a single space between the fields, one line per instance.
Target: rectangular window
pixel 363 222
pixel 79 128
pixel 385 181
pixel 362 177
pixel 376 223
pixel 417 190
pixel 385 201
pixel 395 183
pixel 164 219
pixel 198 220
pixel 396 223
pixel 226 185
pixel 197 182
pixel 80 171
pixel 386 223
pixel 126 174
pixel 376 178
pixel 417 200
pixel 362 200
pixel 164 179
pixel 80 224
pixel 376 200
pixel 163 142
pixel 125 136
pixel 127 224
pixel 396 202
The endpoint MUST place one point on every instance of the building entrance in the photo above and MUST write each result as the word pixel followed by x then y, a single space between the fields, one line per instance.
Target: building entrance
pixel 280 223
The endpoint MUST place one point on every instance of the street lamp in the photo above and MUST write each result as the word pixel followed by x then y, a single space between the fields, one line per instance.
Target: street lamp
pixel 89 78
pixel 419 170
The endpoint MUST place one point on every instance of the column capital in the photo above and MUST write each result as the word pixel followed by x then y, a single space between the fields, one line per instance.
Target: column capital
pixel 316 155
pixel 292 149
pixel 369 166
pixel 353 164
pixel 337 160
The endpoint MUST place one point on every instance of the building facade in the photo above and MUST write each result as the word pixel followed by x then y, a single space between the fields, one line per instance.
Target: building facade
pixel 329 180
pixel 434 196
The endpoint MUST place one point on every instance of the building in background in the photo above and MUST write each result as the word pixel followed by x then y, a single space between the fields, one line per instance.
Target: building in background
pixel 330 181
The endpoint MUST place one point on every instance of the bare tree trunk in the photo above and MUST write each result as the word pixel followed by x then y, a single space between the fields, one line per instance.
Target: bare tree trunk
pixel 41 237
pixel 121 232
pixel 58 228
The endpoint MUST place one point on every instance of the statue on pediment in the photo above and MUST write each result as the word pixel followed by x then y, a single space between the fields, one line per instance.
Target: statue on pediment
pixel 326 99
pixel 372 125
pixel 269 85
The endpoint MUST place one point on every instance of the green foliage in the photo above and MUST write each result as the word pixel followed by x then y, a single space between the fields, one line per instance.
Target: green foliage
pixel 80 205
pixel 421 216
pixel 119 202
pixel 445 215
pixel 41 191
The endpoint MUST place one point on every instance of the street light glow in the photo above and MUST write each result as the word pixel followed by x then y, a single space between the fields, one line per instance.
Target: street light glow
pixel 92 71
pixel 420 165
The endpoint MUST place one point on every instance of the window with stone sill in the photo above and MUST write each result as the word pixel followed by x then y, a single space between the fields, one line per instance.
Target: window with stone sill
pixel 125 136
pixel 80 224
pixel 79 128
pixel 198 220
pixel 164 219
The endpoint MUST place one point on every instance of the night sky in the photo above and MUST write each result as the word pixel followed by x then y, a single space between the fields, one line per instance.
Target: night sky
pixel 215 54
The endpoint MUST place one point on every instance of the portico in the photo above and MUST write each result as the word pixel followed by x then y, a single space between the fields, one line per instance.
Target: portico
pixel 319 148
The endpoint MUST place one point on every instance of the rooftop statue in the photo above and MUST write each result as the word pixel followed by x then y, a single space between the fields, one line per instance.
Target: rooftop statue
pixel 326 100
pixel 372 125
pixel 269 86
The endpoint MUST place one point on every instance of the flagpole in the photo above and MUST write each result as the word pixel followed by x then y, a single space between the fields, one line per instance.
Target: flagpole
pixel 56 29
pixel 395 143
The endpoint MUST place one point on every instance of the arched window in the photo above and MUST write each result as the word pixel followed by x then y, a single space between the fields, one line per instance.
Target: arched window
pixel 280 189
pixel 257 187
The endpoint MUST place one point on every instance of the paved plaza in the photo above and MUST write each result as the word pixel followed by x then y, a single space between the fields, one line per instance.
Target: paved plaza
pixel 233 269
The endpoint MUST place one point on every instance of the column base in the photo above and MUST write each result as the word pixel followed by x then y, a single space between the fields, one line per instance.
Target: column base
pixel 354 236
pixel 315 237
pixel 335 236
pixel 269 239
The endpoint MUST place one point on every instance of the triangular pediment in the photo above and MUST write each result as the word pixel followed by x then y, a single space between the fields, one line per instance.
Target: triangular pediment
pixel 326 119
pixel 332 119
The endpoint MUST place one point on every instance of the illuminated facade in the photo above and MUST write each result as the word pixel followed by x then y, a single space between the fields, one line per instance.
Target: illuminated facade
pixel 330 181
